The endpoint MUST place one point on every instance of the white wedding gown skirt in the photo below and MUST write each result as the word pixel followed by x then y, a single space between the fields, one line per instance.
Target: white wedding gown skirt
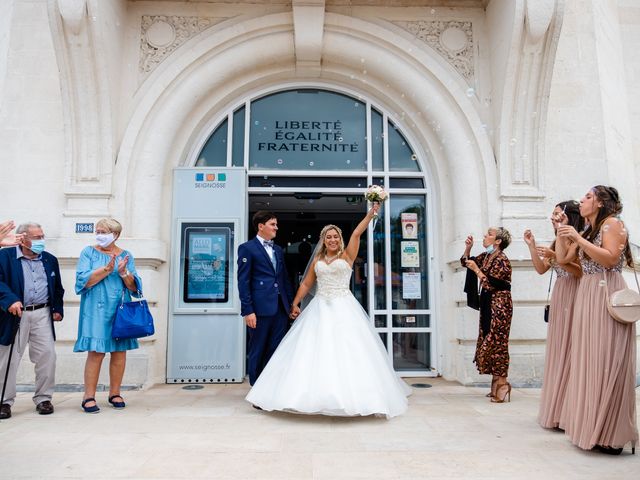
pixel 332 361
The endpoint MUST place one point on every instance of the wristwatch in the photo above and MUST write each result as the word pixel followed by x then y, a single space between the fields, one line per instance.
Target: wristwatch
pixel 126 274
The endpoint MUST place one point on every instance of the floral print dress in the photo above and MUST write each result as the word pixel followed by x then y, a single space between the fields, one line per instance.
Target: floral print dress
pixel 496 311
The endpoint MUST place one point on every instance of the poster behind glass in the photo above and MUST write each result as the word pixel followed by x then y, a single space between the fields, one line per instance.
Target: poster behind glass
pixel 206 256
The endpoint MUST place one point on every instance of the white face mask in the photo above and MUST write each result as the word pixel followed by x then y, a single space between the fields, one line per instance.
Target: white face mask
pixel 104 239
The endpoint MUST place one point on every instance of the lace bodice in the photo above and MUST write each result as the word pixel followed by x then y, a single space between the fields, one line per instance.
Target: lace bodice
pixel 589 266
pixel 333 279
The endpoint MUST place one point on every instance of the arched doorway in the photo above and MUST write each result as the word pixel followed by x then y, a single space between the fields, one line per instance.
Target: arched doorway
pixel 309 154
pixel 181 103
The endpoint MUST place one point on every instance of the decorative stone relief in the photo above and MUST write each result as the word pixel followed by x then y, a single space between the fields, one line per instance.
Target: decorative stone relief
pixel 161 35
pixel 453 40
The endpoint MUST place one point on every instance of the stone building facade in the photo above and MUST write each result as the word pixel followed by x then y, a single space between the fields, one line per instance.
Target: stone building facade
pixel 509 105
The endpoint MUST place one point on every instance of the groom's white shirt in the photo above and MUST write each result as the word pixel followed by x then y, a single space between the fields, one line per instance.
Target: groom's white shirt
pixel 268 248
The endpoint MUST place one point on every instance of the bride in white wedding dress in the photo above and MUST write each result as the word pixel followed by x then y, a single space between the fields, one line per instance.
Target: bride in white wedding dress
pixel 332 361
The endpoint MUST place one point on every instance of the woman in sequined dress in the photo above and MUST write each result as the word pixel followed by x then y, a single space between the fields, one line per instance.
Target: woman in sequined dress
pixel 600 407
pixel 558 349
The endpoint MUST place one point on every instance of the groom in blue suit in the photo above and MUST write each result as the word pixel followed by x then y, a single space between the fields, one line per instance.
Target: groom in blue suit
pixel 265 292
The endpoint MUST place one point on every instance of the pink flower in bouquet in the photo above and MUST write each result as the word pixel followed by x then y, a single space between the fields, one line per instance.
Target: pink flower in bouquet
pixel 376 193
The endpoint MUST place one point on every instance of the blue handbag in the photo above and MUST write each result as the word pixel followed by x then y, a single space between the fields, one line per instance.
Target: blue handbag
pixel 133 320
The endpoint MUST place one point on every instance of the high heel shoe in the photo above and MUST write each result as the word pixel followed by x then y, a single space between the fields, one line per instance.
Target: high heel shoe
pixel 492 394
pixel 610 450
pixel 507 395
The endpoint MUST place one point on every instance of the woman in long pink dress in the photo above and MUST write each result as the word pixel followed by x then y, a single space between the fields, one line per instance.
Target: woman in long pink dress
pixel 557 358
pixel 600 407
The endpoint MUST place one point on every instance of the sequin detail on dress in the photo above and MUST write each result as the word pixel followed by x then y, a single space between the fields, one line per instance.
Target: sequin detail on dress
pixel 590 266
pixel 560 272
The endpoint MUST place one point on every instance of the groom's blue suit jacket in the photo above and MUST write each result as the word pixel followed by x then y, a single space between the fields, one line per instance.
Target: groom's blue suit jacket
pixel 259 286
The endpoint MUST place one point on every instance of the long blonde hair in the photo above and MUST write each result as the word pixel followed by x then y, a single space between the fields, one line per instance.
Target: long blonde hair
pixel 322 251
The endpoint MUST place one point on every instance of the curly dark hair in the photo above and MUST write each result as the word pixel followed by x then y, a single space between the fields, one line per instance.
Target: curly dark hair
pixel 611 207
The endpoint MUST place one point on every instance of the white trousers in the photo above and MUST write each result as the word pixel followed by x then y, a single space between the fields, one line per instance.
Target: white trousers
pixel 35 330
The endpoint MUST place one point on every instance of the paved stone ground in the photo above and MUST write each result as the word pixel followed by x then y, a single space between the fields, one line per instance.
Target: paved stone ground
pixel 450 431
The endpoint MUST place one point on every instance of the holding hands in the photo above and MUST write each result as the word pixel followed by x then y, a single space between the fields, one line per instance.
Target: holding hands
pixel 294 312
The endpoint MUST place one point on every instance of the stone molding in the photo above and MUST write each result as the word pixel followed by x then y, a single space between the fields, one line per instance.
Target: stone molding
pixel 524 118
pixel 308 31
pixel 84 87
pixel 452 39
pixel 161 35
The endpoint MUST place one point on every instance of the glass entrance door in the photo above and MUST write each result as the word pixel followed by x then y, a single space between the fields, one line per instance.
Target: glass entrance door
pixel 391 278
pixel 401 295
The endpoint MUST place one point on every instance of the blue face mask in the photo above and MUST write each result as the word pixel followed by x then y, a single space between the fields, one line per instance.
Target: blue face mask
pixel 37 246
pixel 490 249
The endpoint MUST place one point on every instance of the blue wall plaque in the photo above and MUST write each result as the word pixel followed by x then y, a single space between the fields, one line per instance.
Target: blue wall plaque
pixel 84 227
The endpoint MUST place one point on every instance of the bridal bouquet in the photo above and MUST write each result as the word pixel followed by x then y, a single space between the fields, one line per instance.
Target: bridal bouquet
pixel 375 193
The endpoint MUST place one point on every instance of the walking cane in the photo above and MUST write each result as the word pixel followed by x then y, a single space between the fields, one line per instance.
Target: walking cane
pixel 6 375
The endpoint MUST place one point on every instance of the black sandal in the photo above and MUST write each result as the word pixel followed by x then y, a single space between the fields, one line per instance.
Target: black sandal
pixel 117 404
pixel 93 408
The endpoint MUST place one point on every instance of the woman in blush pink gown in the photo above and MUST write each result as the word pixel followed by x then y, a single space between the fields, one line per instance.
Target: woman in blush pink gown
pixel 600 408
pixel 558 349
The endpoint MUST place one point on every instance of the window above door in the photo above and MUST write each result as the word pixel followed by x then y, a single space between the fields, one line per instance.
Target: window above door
pixel 309 130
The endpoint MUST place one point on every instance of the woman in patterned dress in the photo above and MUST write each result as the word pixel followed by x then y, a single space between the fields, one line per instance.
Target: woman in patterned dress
pixel 493 269
pixel 600 407
pixel 557 364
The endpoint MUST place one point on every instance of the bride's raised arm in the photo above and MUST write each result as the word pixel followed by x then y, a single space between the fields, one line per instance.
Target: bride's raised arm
pixel 351 252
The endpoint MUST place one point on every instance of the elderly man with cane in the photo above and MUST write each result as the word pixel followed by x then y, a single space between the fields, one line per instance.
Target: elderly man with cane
pixel 30 301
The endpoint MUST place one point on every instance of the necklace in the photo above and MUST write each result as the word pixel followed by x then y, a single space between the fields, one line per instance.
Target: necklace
pixel 329 260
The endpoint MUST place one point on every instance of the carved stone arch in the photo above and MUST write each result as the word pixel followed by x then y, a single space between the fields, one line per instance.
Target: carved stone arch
pixel 226 63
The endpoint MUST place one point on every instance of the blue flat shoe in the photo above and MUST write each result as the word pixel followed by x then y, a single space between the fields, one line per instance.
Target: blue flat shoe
pixel 115 403
pixel 92 409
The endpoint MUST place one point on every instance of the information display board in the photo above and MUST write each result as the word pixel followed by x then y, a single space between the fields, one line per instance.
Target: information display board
pixel 207 253
pixel 206 333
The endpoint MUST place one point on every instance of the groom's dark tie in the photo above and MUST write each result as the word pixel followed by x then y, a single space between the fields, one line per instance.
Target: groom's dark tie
pixel 268 243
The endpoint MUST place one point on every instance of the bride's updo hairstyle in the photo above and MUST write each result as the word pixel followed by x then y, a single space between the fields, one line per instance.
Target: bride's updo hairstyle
pixel 322 251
